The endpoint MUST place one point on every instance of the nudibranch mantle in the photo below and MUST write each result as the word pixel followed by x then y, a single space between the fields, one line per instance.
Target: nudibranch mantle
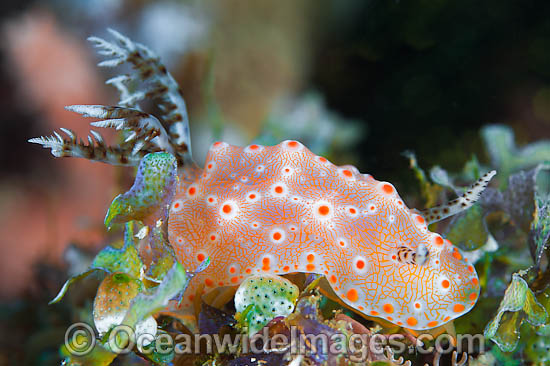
pixel 282 209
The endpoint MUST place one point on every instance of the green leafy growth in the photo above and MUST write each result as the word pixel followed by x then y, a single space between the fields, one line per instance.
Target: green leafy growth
pixel 142 307
pixel 148 201
pixel 517 200
pixel 98 356
pixel 537 346
pixel 160 267
pixel 468 229
pixel 112 301
pixel 150 196
pixel 164 358
pixel 163 255
pixel 504 154
pixel 495 357
pixel 145 304
pixel 518 304
pixel 540 226
pixel 124 260
pixel 111 260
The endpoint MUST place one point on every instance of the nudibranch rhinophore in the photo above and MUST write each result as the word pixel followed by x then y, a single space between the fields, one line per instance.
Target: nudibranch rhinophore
pixel 282 209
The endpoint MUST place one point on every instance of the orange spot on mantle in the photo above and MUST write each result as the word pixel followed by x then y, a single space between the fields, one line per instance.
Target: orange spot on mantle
pixel 458 308
pixel 352 295
pixel 324 210
pixel 457 255
pixel 387 188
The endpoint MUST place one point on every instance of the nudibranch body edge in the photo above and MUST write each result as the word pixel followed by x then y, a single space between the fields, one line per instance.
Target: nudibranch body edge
pixel 282 209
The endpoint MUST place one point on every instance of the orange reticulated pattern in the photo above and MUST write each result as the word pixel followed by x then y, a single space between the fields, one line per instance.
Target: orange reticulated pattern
pixel 280 209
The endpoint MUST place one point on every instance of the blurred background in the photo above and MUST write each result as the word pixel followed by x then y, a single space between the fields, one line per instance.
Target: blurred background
pixel 359 81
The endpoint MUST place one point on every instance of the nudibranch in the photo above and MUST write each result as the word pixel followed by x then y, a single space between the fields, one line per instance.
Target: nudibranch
pixel 282 209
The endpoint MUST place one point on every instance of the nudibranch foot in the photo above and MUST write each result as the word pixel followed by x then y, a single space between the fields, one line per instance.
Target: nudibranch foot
pixel 460 204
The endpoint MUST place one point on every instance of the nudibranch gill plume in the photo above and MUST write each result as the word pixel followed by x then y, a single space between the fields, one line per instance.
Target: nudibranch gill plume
pixel 282 209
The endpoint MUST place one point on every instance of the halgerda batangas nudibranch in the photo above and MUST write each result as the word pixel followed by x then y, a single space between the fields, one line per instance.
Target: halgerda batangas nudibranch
pixel 282 209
